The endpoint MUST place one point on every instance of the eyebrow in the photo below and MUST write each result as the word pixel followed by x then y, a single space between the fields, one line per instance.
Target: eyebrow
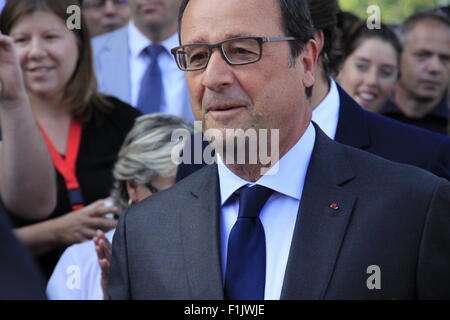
pixel 227 36
pixel 382 64
pixel 386 65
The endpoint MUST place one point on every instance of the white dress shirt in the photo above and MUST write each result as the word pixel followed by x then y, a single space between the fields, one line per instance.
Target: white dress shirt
pixel 279 214
pixel 326 115
pixel 77 276
pixel 2 4
pixel 173 79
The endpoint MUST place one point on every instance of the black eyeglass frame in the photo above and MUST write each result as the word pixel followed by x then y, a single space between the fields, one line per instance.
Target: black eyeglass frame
pixel 219 45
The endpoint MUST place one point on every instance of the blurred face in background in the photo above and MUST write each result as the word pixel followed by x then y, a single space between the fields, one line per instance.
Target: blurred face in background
pixel 425 61
pixel 370 73
pixel 48 53
pixel 158 16
pixel 104 16
pixel 137 192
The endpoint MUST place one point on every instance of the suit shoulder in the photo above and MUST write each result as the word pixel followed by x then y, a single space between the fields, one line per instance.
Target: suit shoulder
pixel 372 167
pixel 178 196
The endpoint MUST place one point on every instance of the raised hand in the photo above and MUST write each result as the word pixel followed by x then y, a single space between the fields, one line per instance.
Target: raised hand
pixel 104 250
pixel 12 86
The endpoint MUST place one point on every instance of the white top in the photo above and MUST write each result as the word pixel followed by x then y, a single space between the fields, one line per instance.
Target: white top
pixel 173 79
pixel 279 214
pixel 326 115
pixel 2 4
pixel 77 276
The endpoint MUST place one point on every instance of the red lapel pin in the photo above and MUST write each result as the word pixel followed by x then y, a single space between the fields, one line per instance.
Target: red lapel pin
pixel 334 206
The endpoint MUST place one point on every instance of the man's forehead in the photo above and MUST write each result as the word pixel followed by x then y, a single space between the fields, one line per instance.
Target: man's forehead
pixel 428 27
pixel 217 20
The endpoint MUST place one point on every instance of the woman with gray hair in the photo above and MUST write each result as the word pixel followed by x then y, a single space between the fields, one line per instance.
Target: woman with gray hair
pixel 144 166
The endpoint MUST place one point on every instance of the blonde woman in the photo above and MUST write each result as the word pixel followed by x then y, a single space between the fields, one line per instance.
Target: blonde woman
pixel 144 167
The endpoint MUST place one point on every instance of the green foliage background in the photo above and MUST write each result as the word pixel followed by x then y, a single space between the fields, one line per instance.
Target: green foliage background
pixel 392 11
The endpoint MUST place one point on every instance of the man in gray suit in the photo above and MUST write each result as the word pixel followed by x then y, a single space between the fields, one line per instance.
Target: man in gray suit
pixel 332 222
pixel 121 58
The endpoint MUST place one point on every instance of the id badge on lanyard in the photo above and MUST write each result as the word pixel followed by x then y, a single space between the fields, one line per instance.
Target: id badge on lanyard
pixel 67 166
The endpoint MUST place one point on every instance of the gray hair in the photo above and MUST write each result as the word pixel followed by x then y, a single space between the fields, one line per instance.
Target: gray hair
pixel 147 153
pixel 409 24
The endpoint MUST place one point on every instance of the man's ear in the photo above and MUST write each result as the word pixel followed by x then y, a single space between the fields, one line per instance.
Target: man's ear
pixel 309 59
pixel 320 39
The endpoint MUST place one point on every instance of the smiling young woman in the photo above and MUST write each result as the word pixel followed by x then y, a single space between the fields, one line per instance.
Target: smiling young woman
pixel 370 65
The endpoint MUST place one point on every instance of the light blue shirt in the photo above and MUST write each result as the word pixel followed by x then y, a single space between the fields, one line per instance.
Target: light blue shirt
pixel 176 96
pixel 2 4
pixel 326 114
pixel 279 214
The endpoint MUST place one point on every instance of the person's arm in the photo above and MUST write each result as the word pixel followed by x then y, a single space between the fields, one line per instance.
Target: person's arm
pixel 74 227
pixel 27 175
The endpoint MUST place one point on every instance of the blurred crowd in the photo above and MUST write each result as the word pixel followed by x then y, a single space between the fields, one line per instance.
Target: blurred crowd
pixel 87 116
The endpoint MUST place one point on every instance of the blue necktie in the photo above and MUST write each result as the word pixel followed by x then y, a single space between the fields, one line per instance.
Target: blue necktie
pixel 246 260
pixel 152 90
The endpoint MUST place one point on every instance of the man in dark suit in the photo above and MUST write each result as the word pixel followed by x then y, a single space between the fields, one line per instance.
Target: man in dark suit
pixel 346 122
pixel 335 222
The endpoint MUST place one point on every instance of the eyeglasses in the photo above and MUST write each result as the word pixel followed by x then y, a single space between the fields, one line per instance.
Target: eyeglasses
pixel 100 4
pixel 235 51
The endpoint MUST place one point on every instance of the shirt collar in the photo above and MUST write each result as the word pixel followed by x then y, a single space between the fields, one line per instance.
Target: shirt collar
pixel 326 114
pixel 138 41
pixel 286 177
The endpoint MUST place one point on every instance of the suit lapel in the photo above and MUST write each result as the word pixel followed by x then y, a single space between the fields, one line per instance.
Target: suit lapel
pixel 200 234
pixel 352 129
pixel 320 229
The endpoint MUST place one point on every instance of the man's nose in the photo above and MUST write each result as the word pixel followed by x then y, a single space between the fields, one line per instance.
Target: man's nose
pixel 110 7
pixel 218 74
pixel 435 65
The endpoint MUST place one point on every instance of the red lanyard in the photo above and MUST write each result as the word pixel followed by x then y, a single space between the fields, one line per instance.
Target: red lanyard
pixel 67 166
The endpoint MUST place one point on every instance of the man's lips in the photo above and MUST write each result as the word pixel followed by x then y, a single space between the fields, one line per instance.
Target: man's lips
pixel 430 83
pixel 224 107
pixel 224 111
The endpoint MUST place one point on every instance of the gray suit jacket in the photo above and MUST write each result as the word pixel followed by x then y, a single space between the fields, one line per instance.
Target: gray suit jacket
pixel 393 216
pixel 112 68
